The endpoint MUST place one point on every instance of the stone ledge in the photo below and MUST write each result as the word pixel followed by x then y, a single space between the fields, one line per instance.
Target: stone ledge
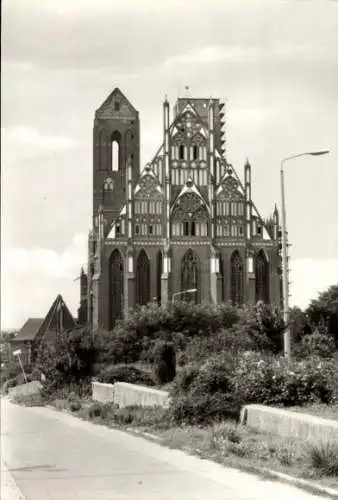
pixel 28 389
pixel 124 394
pixel 289 424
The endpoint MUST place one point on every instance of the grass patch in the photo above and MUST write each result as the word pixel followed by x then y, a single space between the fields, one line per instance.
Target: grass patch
pixel 235 445
pixel 324 458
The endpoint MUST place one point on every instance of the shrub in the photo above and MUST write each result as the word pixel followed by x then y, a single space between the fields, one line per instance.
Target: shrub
pixel 203 408
pixel 72 396
pixel 317 344
pixel 205 393
pixel 11 371
pixel 263 325
pixel 68 360
pixel 150 416
pixel 324 458
pixel 164 362
pixel 103 410
pixel 225 431
pixel 59 389
pixel 125 373
pixel 124 416
pixel 133 337
pixel 95 410
pixel 275 381
pixel 75 405
pixel 184 379
pixel 198 349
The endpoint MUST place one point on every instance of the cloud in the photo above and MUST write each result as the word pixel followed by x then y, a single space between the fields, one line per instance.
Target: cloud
pixel 310 277
pixel 30 139
pixel 134 34
pixel 32 278
pixel 21 143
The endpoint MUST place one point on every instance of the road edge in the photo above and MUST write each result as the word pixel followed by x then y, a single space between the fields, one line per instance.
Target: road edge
pixel 267 473
pixel 302 484
pixel 9 488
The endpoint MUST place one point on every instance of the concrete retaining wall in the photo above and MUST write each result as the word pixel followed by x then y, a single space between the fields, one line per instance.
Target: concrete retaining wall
pixel 33 387
pixel 289 424
pixel 125 394
pixel 104 393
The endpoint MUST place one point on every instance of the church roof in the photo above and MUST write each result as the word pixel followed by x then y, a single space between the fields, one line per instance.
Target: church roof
pixel 41 328
pixel 115 104
pixel 29 330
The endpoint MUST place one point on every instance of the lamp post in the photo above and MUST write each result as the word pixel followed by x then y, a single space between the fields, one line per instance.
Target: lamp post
pixel 287 335
pixel 191 290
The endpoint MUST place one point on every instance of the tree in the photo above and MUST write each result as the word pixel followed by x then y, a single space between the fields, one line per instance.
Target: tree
pixel 324 310
pixel 164 361
pixel 299 324
pixel 68 359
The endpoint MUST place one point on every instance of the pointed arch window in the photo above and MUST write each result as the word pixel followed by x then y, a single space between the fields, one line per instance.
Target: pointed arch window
pixel 142 279
pixel 116 287
pixel 181 152
pixel 190 275
pixel 237 279
pixel 262 277
pixel 115 151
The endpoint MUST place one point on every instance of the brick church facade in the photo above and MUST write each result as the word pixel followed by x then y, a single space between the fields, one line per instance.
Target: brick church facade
pixel 183 222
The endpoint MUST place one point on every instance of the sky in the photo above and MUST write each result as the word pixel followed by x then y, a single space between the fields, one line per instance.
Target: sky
pixel 275 63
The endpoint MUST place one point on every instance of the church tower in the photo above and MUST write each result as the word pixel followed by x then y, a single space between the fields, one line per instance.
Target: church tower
pixel 116 163
pixel 184 226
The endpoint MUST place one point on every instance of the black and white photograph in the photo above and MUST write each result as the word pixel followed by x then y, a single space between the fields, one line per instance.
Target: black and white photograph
pixel 169 250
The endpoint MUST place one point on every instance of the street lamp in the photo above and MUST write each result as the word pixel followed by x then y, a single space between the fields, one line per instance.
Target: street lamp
pixel 287 336
pixel 191 290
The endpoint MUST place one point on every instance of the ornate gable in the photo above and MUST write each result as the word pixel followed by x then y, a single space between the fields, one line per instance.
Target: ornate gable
pixel 189 200
pixel 230 189
pixel 188 123
pixel 148 185
pixel 189 206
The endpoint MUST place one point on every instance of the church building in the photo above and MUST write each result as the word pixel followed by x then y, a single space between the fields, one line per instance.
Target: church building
pixel 182 227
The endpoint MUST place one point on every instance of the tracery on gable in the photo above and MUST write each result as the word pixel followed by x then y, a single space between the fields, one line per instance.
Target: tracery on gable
pixel 148 186
pixel 190 216
pixel 148 205
pixel 188 123
pixel 230 209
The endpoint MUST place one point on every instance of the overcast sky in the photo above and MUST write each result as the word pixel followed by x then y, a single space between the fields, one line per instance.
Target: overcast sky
pixel 275 62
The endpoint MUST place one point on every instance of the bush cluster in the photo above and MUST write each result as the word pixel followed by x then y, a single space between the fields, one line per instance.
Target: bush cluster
pixel 125 373
pixel 110 413
pixel 275 381
pixel 164 362
pixel 67 363
pixel 134 338
pixel 204 393
pixel 223 384
pixel 316 344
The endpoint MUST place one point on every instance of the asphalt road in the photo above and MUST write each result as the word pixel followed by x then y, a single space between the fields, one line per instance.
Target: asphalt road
pixel 49 455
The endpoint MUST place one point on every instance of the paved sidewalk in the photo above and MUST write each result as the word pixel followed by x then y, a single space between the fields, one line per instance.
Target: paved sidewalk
pixel 54 456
